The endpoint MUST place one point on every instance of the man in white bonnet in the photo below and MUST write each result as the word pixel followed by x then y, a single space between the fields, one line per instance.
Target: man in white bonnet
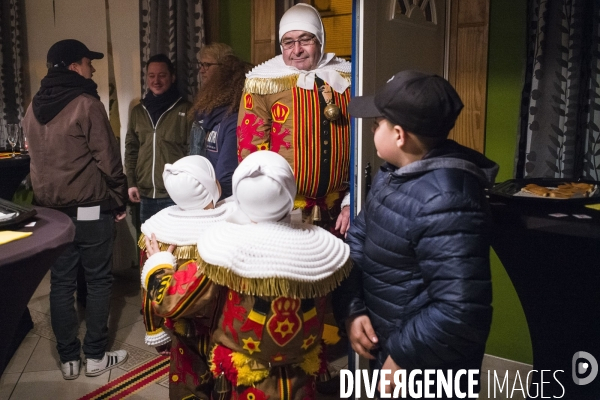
pixel 295 105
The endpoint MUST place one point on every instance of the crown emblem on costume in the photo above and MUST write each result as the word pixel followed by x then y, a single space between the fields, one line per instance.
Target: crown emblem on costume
pixel 279 112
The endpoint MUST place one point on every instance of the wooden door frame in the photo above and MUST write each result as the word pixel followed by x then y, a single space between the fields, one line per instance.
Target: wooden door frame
pixel 467 65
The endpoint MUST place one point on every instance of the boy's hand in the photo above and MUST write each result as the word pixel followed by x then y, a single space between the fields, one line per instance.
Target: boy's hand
pixel 362 336
pixel 392 366
pixel 153 248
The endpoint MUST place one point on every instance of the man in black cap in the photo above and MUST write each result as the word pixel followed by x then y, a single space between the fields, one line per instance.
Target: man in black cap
pixel 419 295
pixel 76 168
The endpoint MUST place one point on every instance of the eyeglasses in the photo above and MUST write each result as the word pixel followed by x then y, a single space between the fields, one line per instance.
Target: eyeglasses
pixel 205 65
pixel 288 44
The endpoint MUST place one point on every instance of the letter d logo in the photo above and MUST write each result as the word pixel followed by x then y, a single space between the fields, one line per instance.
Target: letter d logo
pixel 591 366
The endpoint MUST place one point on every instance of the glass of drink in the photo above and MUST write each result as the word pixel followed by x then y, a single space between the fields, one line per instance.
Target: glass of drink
pixel 24 146
pixel 13 136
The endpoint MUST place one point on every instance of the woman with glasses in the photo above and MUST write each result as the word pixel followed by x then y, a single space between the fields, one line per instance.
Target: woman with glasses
pixel 211 57
pixel 215 110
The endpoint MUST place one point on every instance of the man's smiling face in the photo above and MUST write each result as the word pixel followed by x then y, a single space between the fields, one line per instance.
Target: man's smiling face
pixel 304 50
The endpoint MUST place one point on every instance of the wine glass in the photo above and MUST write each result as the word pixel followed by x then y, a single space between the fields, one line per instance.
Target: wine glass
pixel 24 145
pixel 13 136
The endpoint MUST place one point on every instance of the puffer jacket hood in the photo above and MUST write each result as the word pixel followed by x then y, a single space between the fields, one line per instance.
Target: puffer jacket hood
pixel 450 154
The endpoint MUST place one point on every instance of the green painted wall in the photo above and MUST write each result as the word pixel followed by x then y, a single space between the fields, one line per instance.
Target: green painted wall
pixel 234 26
pixel 509 337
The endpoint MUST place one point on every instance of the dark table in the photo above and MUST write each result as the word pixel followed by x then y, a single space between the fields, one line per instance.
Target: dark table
pixel 12 171
pixel 554 264
pixel 23 264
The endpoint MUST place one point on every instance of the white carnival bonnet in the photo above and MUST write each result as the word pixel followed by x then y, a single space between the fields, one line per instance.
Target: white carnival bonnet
pixel 192 185
pixel 271 257
pixel 191 182
pixel 303 17
pixel 263 188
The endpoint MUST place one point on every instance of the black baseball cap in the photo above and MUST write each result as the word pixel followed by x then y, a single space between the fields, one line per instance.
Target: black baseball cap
pixel 421 103
pixel 68 51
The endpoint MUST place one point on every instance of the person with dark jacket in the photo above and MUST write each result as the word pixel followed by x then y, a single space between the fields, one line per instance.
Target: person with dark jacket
pixel 215 113
pixel 157 135
pixel 419 295
pixel 76 168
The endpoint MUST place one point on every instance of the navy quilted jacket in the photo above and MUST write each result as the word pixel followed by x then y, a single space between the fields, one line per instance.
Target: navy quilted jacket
pixel 421 260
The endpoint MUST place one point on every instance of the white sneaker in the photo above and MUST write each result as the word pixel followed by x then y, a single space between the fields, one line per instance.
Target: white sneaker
pixel 110 360
pixel 70 369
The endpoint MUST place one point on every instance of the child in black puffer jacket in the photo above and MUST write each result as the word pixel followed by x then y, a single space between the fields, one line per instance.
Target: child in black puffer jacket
pixel 419 295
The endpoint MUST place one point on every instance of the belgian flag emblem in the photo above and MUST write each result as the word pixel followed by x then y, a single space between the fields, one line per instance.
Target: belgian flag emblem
pixel 248 101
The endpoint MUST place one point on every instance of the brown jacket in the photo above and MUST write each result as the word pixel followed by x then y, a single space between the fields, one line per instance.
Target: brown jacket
pixel 75 158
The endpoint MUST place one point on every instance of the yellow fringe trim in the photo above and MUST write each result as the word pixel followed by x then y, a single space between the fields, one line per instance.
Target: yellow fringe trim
pixel 330 199
pixel 275 287
pixel 264 86
pixel 189 252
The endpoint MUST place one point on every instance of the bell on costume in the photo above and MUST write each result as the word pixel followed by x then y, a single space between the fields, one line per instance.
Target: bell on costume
pixel 316 213
pixel 332 112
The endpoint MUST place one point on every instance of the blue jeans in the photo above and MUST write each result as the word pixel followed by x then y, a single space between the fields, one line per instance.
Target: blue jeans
pixel 149 207
pixel 92 248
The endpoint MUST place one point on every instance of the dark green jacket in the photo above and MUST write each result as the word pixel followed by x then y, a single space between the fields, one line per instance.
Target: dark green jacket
pixel 148 148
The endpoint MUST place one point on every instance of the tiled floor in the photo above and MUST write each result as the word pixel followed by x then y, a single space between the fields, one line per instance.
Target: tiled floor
pixel 33 372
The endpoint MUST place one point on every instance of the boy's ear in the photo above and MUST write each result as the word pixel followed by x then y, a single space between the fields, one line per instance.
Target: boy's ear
pixel 401 136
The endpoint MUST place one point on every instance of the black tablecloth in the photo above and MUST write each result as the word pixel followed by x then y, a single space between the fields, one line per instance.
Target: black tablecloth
pixel 23 264
pixel 12 171
pixel 554 264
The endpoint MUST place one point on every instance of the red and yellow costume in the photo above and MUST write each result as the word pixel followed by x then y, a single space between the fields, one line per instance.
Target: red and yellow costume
pixel 277 114
pixel 268 336
pixel 187 301
pixel 179 302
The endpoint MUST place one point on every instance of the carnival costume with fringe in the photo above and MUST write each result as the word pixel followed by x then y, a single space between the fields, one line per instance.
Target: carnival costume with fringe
pixel 181 302
pixel 277 274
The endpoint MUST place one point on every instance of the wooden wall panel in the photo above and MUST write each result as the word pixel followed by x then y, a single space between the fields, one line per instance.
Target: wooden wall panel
pixel 211 21
pixel 467 72
pixel 262 39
